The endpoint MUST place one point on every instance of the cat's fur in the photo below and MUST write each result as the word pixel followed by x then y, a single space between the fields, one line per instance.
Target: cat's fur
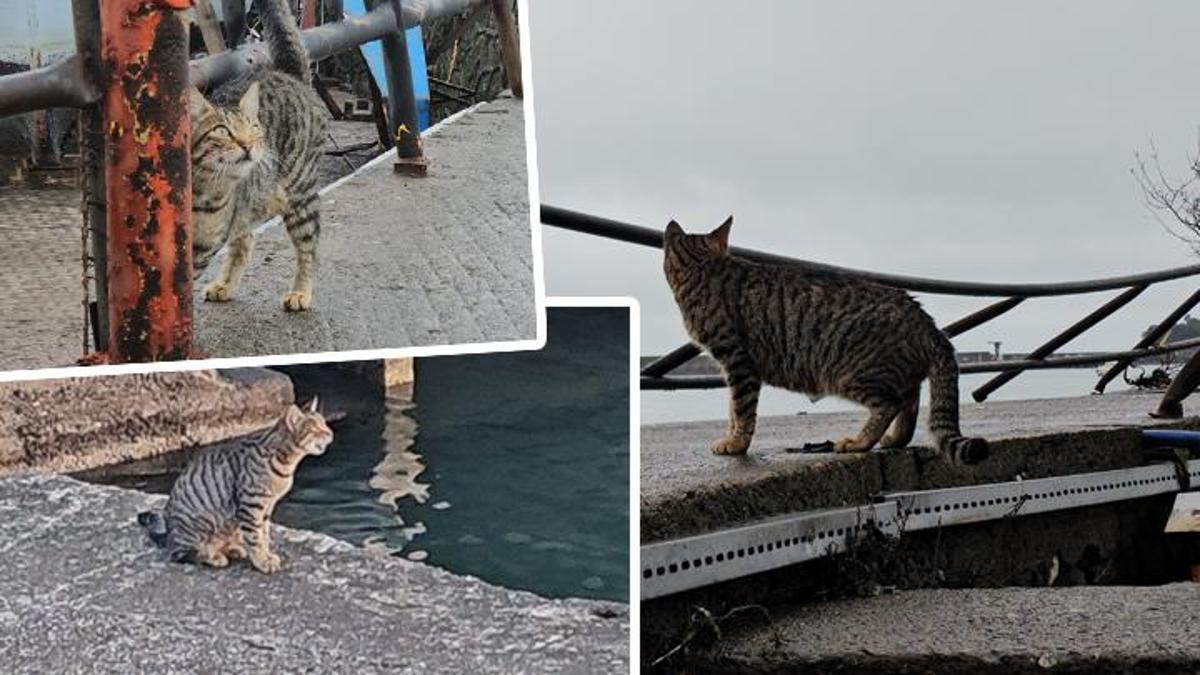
pixel 256 144
pixel 818 334
pixel 222 502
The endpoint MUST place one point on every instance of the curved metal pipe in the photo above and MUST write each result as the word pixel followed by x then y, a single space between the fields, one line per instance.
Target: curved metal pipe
pixel 589 224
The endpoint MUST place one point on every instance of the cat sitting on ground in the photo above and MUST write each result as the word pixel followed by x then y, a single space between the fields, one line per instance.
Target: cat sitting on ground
pixel 256 146
pixel 818 334
pixel 222 502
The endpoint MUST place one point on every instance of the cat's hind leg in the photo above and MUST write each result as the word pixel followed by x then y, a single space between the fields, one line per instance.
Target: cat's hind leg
pixel 881 415
pixel 238 257
pixel 303 223
pixel 210 553
pixel 744 387
pixel 903 427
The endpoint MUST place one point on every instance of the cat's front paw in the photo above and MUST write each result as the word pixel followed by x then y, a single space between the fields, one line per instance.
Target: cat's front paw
pixel 297 301
pixel 731 445
pixel 218 291
pixel 267 563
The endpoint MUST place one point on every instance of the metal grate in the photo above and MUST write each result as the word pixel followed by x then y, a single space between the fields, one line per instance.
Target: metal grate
pixel 694 562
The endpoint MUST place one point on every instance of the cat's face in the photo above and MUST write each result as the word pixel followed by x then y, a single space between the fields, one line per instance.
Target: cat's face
pixel 682 249
pixel 308 427
pixel 226 142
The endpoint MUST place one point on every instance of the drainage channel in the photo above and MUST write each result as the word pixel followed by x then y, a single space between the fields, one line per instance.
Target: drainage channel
pixel 688 563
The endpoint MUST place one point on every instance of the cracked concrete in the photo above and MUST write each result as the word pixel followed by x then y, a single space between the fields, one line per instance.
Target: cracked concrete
pixel 83 590
pixel 1009 631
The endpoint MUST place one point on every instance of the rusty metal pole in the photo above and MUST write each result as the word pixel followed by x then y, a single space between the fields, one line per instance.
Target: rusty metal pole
pixel 145 49
pixel 510 46
pixel 402 101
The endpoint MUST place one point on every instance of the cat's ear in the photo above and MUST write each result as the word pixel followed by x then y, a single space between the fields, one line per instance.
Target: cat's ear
pixel 249 102
pixel 721 234
pixel 198 106
pixel 674 231
pixel 293 417
pixel 312 405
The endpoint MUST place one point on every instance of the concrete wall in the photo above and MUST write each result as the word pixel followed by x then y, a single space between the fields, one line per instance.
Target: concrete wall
pixel 77 424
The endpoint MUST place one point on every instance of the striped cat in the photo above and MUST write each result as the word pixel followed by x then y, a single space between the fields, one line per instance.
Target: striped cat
pixel 223 500
pixel 816 334
pixel 256 144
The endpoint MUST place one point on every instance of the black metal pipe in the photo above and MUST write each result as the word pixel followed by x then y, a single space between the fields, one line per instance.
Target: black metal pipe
pixel 1150 338
pixel 86 20
pixel 976 319
pixel 327 40
pixel 1072 332
pixel 668 362
pixel 61 84
pixel 717 382
pixel 612 229
pixel 402 102
pixel 233 15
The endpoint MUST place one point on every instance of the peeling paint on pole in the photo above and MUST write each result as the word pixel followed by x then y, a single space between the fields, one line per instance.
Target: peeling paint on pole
pixel 145 53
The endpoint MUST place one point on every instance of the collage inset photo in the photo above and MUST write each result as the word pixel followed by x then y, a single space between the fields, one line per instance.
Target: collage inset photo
pixel 262 179
pixel 440 514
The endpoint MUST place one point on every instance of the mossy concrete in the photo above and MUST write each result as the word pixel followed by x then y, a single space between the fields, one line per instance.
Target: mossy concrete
pixel 83 423
pixel 83 589
pixel 686 490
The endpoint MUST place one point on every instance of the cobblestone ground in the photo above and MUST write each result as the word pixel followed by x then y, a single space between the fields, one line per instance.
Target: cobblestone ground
pixel 41 315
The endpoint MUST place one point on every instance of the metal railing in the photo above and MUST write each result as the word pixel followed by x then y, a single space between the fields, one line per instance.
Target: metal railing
pixel 657 374
pixel 129 76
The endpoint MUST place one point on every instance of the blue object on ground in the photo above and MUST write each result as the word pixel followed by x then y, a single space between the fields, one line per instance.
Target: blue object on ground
pixel 373 51
pixel 1171 438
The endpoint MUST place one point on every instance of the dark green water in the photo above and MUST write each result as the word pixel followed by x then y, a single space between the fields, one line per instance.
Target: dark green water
pixel 510 467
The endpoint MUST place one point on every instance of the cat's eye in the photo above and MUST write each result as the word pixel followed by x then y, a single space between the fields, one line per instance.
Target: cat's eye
pixel 222 130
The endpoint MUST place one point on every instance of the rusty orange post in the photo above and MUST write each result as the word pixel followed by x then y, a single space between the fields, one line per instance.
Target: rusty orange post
pixel 144 47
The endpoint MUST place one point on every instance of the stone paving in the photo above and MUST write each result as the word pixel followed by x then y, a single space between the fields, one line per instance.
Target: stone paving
pixel 405 262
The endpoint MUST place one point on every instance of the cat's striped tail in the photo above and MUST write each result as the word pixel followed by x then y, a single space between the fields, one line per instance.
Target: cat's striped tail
pixel 284 41
pixel 155 525
pixel 943 411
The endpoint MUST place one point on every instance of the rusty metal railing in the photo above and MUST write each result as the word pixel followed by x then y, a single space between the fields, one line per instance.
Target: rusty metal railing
pixel 129 75
pixel 657 374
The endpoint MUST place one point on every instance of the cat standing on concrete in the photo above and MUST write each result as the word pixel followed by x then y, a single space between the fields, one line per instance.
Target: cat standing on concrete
pixel 256 145
pixel 816 334
pixel 223 500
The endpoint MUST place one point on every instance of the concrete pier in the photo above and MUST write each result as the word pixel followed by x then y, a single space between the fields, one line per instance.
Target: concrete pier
pixel 83 587
pixel 687 490
pixel 987 625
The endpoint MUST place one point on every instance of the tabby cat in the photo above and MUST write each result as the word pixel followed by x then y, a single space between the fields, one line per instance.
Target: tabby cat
pixel 255 149
pixel 818 334
pixel 223 500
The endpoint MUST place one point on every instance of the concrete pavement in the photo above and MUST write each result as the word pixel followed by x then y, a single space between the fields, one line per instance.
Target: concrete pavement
pixel 82 590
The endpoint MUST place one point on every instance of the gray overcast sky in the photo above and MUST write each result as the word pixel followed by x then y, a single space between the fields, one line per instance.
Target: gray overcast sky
pixel 960 140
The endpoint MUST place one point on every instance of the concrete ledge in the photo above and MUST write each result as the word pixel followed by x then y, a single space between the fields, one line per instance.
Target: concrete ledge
pixel 83 423
pixel 1007 631
pixel 687 490
pixel 82 585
